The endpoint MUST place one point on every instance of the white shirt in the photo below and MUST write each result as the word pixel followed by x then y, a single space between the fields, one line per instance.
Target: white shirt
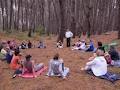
pixel 3 51
pixel 98 66
pixel 83 46
pixel 68 34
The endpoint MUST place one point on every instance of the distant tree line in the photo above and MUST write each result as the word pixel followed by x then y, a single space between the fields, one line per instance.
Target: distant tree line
pixel 55 16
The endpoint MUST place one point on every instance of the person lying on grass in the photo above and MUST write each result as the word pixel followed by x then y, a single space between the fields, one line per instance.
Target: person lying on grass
pixel 28 66
pixel 56 67
pixel 97 66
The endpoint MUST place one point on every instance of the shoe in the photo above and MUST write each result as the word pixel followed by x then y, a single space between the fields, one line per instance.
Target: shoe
pixel 14 76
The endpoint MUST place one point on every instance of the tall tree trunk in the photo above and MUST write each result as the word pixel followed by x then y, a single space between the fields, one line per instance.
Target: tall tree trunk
pixel 119 19
pixel 11 14
pixel 62 13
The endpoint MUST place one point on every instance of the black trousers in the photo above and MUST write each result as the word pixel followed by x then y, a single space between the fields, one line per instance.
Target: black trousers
pixel 68 42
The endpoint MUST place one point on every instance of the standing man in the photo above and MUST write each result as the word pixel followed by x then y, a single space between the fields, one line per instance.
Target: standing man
pixel 68 36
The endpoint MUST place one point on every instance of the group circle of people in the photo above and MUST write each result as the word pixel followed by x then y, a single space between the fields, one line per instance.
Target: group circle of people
pixel 97 64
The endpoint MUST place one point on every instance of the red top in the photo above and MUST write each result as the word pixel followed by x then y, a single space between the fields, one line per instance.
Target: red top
pixel 15 62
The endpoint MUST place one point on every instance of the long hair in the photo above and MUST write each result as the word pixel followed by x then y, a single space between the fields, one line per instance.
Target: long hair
pixel 17 52
pixel 28 57
pixel 99 44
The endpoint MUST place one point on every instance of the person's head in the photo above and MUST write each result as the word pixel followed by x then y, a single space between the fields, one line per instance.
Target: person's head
pixel 11 48
pixel 28 58
pixel 91 40
pixel 106 54
pixel 99 52
pixel 56 57
pixel 16 52
pixel 29 41
pixel 83 41
pixel 40 41
pixel 67 30
pixel 23 42
pixel 112 48
pixel 99 44
pixel 8 42
pixel 7 48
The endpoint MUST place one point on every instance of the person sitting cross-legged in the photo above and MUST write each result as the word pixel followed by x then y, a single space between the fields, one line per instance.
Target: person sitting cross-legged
pixel 16 60
pixel 41 45
pixel 90 47
pixel 98 66
pixel 114 56
pixel 23 45
pixel 59 44
pixel 29 44
pixel 28 66
pixel 76 46
pixel 82 45
pixel 56 67
pixel 9 55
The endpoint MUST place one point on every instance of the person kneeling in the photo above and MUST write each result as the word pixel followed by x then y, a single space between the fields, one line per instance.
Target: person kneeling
pixel 56 67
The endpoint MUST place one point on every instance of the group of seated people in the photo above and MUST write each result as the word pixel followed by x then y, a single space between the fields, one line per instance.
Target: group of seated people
pixel 97 63
pixel 25 45
pixel 14 59
pixel 100 60
pixel 56 66
pixel 7 48
pixel 81 45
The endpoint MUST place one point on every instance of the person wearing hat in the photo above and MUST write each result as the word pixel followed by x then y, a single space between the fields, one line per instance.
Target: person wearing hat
pixel 68 36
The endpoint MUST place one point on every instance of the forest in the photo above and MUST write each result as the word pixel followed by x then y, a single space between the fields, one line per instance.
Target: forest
pixel 55 16
pixel 59 44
